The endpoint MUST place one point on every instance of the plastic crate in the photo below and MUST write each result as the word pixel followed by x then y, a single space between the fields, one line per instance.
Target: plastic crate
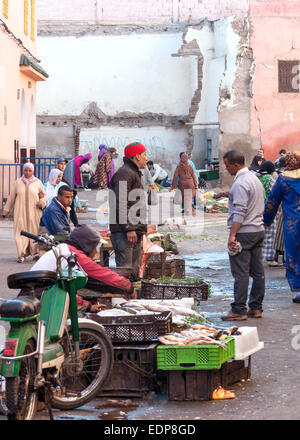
pixel 247 343
pixel 135 328
pixel 134 371
pixel 210 175
pixel 194 357
pixel 173 268
pixel 157 290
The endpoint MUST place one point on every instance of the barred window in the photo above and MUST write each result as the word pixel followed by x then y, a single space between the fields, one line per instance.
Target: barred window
pixel 5 8
pixel 289 76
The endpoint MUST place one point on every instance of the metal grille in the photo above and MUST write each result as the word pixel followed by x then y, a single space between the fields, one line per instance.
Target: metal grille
pixel 288 76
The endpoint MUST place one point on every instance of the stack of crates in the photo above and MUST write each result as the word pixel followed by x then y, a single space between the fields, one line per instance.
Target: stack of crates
pixel 134 371
pixel 195 371
pixel 135 340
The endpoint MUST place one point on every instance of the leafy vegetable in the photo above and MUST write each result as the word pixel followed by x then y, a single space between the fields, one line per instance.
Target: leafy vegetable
pixel 190 320
pixel 179 280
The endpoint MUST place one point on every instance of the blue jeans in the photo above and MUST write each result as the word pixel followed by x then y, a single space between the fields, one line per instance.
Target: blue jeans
pixel 126 254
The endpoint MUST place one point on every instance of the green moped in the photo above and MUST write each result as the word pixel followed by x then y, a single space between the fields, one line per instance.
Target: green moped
pixel 50 354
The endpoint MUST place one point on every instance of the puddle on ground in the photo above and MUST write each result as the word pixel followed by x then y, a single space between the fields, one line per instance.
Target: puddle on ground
pixel 206 260
pixel 211 267
pixel 116 410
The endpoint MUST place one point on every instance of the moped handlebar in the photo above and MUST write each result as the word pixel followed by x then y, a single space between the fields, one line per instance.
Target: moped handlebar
pixel 72 260
pixel 38 238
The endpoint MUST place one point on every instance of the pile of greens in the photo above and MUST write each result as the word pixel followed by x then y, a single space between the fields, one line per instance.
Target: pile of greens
pixel 179 280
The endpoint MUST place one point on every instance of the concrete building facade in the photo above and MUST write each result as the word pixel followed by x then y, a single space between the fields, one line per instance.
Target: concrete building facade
pixel 198 75
pixel 145 70
pixel 19 73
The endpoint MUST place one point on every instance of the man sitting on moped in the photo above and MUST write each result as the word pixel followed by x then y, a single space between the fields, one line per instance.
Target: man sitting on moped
pixel 84 241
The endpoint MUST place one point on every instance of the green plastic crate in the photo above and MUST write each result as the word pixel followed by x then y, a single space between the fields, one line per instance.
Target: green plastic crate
pixel 210 175
pixel 213 175
pixel 194 357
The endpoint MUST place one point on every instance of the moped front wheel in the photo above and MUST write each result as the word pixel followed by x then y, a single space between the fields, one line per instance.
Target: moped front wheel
pixel 21 398
pixel 81 383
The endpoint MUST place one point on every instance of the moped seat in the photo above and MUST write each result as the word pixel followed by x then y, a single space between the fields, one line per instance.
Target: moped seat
pixel 21 307
pixel 32 279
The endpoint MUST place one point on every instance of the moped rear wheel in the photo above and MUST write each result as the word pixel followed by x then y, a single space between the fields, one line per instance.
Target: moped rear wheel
pixel 21 399
pixel 80 385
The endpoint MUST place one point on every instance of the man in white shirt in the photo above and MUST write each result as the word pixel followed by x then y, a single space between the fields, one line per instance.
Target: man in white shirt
pixel 159 175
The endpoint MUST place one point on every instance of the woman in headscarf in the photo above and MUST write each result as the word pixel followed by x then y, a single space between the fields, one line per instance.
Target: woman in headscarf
pixel 105 168
pixel 78 161
pixel 256 163
pixel 287 191
pixel 28 198
pixel 185 179
pixel 102 150
pixel 54 179
pixel 264 174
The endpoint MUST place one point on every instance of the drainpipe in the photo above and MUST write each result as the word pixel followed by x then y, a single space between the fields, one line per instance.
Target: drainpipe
pixel 77 139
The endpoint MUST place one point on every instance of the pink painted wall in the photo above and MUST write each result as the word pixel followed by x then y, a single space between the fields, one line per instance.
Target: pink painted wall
pixel 275 35
pixel 138 11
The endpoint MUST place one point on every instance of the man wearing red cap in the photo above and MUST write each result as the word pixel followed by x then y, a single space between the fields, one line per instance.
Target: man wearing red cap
pixel 128 209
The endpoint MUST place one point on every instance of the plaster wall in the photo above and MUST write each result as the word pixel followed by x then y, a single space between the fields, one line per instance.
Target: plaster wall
pixel 17 91
pixel 133 73
pixel 15 23
pixel 55 143
pixel 275 117
pixel 218 44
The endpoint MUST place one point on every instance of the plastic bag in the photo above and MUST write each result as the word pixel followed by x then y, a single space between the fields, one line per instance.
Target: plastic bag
pixel 152 198
pixel 149 247
pixel 177 197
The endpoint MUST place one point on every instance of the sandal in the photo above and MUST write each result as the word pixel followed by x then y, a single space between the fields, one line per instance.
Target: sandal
pixel 21 260
pixel 272 263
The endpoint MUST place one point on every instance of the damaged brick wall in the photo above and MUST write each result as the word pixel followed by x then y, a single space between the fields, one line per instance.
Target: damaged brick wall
pixel 114 12
pixel 107 18
pixel 235 104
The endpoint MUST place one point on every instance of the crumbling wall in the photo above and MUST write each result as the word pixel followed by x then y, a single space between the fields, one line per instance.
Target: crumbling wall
pixel 274 37
pixel 178 88
pixel 235 101
pixel 115 81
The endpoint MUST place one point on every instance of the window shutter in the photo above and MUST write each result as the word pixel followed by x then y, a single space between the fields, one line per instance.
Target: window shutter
pixel 289 76
pixel 32 19
pixel 26 17
pixel 5 8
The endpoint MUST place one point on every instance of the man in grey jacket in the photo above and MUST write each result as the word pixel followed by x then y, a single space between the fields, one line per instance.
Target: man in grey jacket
pixel 245 221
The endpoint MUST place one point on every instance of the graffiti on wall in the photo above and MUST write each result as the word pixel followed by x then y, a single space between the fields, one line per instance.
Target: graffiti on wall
pixel 154 144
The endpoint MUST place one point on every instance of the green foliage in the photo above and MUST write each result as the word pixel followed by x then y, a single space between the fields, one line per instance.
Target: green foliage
pixel 191 320
pixel 179 280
